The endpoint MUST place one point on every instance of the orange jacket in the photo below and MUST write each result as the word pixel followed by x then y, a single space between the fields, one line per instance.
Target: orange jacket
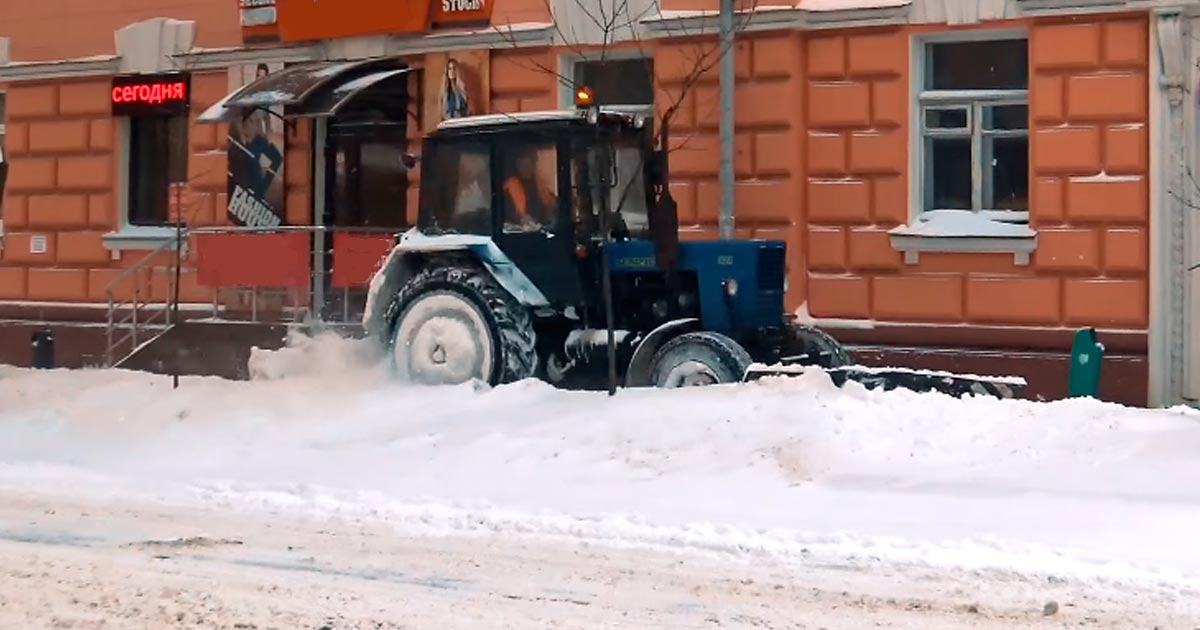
pixel 516 192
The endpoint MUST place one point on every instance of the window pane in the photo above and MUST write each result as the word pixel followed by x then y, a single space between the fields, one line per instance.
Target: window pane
pixel 369 183
pixel 946 118
pixel 473 191
pixel 384 184
pixel 148 170
pixel 529 172
pixel 464 204
pixel 1006 117
pixel 1006 176
pixel 618 81
pixel 948 173
pixel 629 194
pixel 988 65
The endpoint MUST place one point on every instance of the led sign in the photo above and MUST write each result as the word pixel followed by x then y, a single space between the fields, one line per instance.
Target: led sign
pixel 151 94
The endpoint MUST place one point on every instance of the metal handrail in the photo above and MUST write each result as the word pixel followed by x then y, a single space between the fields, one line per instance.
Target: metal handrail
pixel 134 320
pixel 154 252
pixel 135 303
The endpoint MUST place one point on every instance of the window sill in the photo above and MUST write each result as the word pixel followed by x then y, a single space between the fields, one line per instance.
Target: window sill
pixel 958 231
pixel 140 237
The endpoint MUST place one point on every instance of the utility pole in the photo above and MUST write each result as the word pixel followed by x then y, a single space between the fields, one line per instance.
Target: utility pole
pixel 727 81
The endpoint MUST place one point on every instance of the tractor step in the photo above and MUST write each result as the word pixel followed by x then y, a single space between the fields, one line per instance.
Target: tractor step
pixel 891 378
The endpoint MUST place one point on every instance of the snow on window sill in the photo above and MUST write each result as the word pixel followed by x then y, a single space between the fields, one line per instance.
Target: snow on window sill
pixel 962 231
pixel 139 237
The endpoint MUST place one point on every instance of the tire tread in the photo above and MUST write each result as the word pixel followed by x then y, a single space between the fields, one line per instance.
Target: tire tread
pixel 516 357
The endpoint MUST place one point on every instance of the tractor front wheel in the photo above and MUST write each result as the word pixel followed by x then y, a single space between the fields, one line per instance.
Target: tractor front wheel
pixel 699 358
pixel 453 323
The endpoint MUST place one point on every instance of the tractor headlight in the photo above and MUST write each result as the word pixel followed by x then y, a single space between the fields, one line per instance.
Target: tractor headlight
pixel 731 287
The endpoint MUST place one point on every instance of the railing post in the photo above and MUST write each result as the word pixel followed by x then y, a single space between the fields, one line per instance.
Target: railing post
pixel 318 281
pixel 319 166
pixel 134 325
pixel 169 304
pixel 108 332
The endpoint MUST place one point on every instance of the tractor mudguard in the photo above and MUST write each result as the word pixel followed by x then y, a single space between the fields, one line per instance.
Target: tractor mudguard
pixel 638 372
pixel 410 254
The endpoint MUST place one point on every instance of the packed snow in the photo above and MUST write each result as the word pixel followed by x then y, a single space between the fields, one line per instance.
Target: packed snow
pixel 792 468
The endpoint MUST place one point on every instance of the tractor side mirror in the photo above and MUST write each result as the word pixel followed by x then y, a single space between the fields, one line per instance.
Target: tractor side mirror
pixel 409 161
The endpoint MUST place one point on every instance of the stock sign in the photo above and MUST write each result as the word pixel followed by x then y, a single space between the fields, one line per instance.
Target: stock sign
pixel 151 94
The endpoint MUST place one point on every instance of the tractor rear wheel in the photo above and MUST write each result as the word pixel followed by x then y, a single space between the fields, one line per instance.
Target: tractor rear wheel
pixel 452 323
pixel 699 358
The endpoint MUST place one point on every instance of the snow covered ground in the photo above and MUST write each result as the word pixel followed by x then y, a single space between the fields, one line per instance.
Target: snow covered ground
pixel 1004 498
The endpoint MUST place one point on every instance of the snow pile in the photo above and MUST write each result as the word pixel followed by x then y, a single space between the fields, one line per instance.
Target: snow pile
pixel 791 467
pixel 325 354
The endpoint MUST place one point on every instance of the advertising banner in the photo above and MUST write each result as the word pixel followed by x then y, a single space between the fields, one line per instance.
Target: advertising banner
pixel 255 152
pixel 456 85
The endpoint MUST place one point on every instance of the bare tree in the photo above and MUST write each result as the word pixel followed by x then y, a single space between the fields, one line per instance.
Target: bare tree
pixel 618 24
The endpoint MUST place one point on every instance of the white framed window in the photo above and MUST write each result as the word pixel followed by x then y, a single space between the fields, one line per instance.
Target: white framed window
pixel 620 80
pixel 970 146
pixel 973 120
pixel 153 155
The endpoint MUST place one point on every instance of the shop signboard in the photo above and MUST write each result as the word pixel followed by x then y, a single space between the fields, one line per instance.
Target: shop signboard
pixel 259 20
pixel 306 20
pixel 303 20
pixel 461 12
pixel 167 94
pixel 255 153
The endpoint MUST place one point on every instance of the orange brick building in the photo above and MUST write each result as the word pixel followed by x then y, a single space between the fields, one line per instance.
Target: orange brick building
pixel 962 184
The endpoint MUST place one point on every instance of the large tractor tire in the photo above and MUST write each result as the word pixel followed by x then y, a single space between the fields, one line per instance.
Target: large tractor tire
pixel 699 358
pixel 452 323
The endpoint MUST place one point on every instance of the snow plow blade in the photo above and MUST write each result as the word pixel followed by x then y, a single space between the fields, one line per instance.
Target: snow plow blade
pixel 891 378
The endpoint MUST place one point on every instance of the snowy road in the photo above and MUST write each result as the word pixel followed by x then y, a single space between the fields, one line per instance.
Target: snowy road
pixel 779 504
pixel 70 564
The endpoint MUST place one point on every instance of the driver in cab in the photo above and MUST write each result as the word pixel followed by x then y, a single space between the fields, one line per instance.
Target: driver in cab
pixel 529 201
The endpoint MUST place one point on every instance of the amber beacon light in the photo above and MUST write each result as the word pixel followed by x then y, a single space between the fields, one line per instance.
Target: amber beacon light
pixel 584 98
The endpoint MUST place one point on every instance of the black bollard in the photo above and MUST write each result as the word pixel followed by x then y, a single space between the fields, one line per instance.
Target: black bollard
pixel 43 349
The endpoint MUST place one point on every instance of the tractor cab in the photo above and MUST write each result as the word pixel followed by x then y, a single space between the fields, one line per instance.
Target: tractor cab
pixel 547 187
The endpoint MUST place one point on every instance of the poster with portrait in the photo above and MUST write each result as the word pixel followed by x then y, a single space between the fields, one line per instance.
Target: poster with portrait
pixel 456 85
pixel 255 156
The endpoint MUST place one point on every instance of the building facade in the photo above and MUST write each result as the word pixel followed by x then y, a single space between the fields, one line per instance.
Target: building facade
pixel 961 184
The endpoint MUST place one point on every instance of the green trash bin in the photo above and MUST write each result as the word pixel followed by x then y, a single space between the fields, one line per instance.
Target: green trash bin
pixel 1087 353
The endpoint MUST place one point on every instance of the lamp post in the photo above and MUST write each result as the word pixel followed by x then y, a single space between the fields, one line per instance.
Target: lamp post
pixel 726 224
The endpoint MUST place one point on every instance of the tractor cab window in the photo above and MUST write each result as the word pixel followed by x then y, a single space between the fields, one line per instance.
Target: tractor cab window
pixel 464 205
pixel 625 185
pixel 529 189
pixel 629 193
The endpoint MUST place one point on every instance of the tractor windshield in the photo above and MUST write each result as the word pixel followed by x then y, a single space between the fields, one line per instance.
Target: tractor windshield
pixel 625 185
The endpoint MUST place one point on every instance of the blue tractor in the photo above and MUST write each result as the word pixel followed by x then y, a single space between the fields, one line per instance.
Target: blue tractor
pixel 547 246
